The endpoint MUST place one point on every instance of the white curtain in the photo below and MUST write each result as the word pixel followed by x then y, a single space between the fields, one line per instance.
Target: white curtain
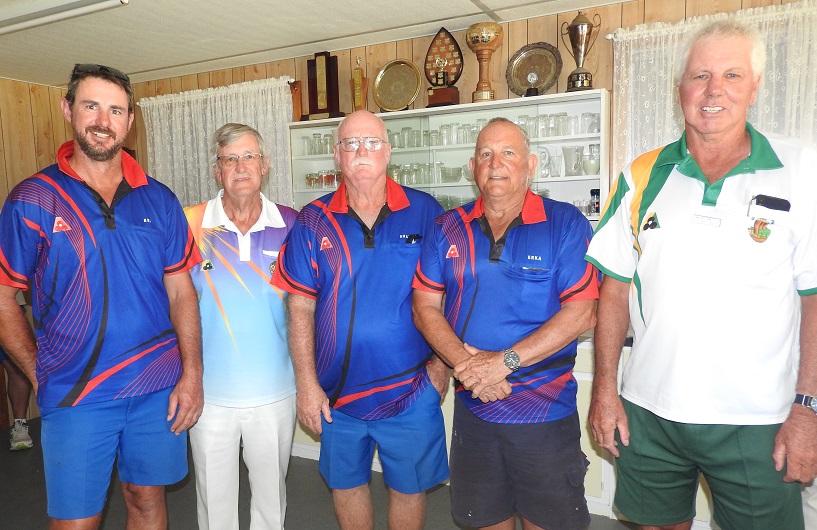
pixel 180 126
pixel 646 113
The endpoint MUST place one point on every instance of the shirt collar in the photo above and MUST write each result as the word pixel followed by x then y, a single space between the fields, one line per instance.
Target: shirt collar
pixel 396 198
pixel 130 168
pixel 533 209
pixel 214 215
pixel 761 156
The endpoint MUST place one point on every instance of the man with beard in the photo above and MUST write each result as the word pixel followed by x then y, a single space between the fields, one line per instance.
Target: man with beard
pixel 117 359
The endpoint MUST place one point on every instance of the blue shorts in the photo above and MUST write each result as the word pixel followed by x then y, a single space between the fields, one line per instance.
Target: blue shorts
pixel 80 444
pixel 411 447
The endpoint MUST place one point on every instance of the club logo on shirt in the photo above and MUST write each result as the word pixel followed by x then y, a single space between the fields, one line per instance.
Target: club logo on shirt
pixel 759 232
pixel 207 265
pixel 60 225
pixel 325 243
pixel 652 222
pixel 452 252
pixel 272 268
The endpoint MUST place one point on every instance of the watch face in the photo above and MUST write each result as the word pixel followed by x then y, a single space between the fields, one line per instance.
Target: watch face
pixel 512 360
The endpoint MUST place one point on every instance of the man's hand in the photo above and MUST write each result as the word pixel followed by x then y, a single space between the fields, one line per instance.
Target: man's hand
pixel 481 370
pixel 186 403
pixel 495 392
pixel 794 445
pixel 606 415
pixel 311 404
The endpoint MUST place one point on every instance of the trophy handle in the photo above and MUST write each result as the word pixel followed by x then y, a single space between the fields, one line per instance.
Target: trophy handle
pixel 596 26
pixel 564 32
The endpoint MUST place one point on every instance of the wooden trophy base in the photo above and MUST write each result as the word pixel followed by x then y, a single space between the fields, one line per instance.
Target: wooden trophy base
pixel 322 116
pixel 441 96
pixel 579 79
pixel 483 95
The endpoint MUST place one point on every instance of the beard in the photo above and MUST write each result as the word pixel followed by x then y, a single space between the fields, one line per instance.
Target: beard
pixel 98 154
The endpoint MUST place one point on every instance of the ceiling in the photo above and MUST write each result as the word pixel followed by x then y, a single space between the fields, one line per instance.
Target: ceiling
pixel 156 39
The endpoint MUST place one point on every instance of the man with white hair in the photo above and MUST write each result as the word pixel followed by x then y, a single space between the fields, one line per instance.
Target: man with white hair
pixel 707 246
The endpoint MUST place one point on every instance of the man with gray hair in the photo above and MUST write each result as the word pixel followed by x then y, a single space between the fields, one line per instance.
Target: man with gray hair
pixel 707 246
pixel 249 385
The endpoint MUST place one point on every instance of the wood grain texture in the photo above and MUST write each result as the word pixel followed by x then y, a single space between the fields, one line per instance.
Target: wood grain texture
pixel 254 72
pixel 697 8
pixel 42 120
pixel 58 121
pixel 18 128
pixel 664 10
pixel 419 50
pixel 376 58
pixel 746 4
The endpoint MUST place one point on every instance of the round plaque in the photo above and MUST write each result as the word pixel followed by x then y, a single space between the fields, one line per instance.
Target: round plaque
pixel 397 85
pixel 534 66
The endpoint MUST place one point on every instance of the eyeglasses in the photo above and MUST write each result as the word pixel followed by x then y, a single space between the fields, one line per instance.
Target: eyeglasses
pixel 91 68
pixel 230 161
pixel 371 143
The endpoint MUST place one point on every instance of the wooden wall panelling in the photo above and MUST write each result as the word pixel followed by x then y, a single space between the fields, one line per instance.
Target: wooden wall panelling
pixel 419 49
pixel 545 29
pixel 175 85
pixel 141 90
pixel 696 8
pixel 376 58
pixel 58 121
pixel 405 51
pixel 632 13
pixel 203 80
pixel 4 185
pixel 221 77
pixel 300 73
pixel 163 87
pixel 746 4
pixel 18 140
pixel 664 10
pixel 42 120
pixel 516 37
pixel 470 68
pixel 345 65
pixel 237 75
pixel 255 72
pixel 284 67
pixel 189 82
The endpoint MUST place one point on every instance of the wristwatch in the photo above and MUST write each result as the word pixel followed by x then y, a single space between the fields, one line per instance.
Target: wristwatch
pixel 800 399
pixel 511 359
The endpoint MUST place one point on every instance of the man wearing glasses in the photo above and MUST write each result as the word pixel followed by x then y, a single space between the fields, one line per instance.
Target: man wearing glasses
pixel 117 361
pixel 364 374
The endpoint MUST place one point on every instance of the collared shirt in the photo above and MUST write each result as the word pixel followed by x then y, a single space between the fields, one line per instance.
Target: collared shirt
pixel 499 292
pixel 100 307
pixel 244 340
pixel 369 356
pixel 715 277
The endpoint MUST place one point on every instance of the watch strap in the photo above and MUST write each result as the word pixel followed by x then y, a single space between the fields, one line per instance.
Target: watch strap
pixel 806 401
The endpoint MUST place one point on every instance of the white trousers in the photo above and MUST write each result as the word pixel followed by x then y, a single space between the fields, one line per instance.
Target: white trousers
pixel 216 439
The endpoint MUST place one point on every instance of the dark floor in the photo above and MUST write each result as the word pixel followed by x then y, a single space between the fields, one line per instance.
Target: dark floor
pixel 22 497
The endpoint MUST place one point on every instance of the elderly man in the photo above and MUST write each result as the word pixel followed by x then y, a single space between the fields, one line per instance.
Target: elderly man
pixel 502 294
pixel 117 362
pixel 364 374
pixel 249 385
pixel 709 244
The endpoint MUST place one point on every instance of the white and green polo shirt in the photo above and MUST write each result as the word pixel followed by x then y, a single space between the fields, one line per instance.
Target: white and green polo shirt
pixel 716 274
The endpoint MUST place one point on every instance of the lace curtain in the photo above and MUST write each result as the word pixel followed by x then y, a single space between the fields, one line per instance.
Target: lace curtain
pixel 179 128
pixel 646 114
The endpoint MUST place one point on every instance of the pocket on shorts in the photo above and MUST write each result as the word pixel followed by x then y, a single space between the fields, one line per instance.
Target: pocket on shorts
pixel 576 472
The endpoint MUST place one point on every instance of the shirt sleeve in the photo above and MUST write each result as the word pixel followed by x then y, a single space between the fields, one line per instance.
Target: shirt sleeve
pixel 576 279
pixel 612 247
pixel 181 251
pixel 429 274
pixel 295 268
pixel 20 234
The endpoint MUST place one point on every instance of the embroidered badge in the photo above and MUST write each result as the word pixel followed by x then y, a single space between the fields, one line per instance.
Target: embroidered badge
pixel 325 243
pixel 207 265
pixel 760 232
pixel 651 222
pixel 272 268
pixel 452 252
pixel 60 225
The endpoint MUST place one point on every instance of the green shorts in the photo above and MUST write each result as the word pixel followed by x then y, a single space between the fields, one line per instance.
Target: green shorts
pixel 657 474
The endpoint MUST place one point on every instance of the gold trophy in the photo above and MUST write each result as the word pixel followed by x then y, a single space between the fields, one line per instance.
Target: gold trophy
pixel 360 87
pixel 483 38
pixel 580 32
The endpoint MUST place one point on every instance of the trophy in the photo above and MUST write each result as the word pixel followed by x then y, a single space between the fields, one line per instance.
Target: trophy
pixel 360 86
pixel 443 67
pixel 580 32
pixel 484 38
pixel 322 81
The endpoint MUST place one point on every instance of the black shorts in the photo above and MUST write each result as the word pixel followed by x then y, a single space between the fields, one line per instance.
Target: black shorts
pixel 536 470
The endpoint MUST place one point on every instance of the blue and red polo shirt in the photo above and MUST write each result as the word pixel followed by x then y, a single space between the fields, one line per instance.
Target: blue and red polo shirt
pixel 499 292
pixel 100 307
pixel 370 358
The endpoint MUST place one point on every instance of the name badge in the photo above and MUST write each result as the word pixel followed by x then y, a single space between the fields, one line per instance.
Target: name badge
pixel 705 220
